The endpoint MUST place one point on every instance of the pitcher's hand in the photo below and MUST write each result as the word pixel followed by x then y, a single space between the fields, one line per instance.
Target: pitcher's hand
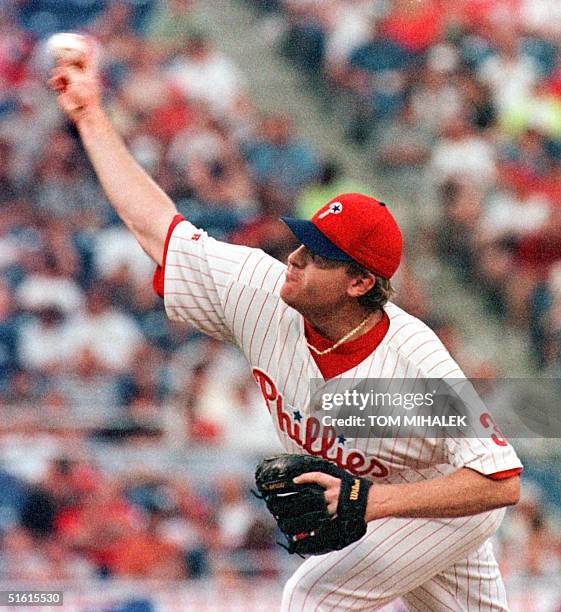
pixel 78 85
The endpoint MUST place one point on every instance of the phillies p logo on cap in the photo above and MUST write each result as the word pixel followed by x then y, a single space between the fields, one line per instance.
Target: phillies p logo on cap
pixel 333 209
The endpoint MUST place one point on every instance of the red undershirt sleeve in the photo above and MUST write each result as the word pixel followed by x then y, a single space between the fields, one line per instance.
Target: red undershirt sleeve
pixel 159 273
pixel 505 474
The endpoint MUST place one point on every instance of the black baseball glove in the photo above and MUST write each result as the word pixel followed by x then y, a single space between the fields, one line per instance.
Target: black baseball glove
pixel 301 509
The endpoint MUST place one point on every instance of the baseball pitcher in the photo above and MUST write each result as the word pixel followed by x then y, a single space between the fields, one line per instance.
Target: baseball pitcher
pixel 379 518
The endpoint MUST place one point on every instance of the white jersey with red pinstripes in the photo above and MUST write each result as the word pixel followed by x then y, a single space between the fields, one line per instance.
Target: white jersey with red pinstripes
pixel 231 292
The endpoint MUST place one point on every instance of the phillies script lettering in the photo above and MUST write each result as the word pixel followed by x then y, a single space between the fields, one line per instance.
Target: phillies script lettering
pixel 315 439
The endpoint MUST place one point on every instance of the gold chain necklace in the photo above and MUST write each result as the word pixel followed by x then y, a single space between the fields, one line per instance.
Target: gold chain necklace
pixel 343 339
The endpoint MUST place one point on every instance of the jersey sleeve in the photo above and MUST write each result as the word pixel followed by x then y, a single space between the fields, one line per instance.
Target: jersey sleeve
pixel 482 446
pixel 207 283
pixel 484 456
pixel 158 280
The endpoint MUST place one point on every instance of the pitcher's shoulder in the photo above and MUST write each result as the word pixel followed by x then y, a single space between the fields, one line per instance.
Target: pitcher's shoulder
pixel 416 342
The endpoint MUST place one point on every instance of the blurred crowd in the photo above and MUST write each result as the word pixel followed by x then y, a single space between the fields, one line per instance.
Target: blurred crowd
pixel 76 522
pixel 460 104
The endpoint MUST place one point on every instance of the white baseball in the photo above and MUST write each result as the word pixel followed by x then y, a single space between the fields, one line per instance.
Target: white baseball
pixel 67 46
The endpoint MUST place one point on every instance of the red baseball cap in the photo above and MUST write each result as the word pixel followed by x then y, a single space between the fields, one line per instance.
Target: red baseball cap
pixel 353 226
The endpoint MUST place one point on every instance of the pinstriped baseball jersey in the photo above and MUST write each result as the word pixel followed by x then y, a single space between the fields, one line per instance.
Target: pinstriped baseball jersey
pixel 231 292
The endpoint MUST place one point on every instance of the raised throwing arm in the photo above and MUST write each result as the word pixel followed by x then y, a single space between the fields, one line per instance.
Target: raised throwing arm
pixel 145 209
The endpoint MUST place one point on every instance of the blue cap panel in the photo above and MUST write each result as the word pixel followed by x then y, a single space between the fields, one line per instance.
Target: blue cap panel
pixel 310 236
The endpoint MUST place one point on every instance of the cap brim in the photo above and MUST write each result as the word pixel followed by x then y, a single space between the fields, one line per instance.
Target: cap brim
pixel 310 236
